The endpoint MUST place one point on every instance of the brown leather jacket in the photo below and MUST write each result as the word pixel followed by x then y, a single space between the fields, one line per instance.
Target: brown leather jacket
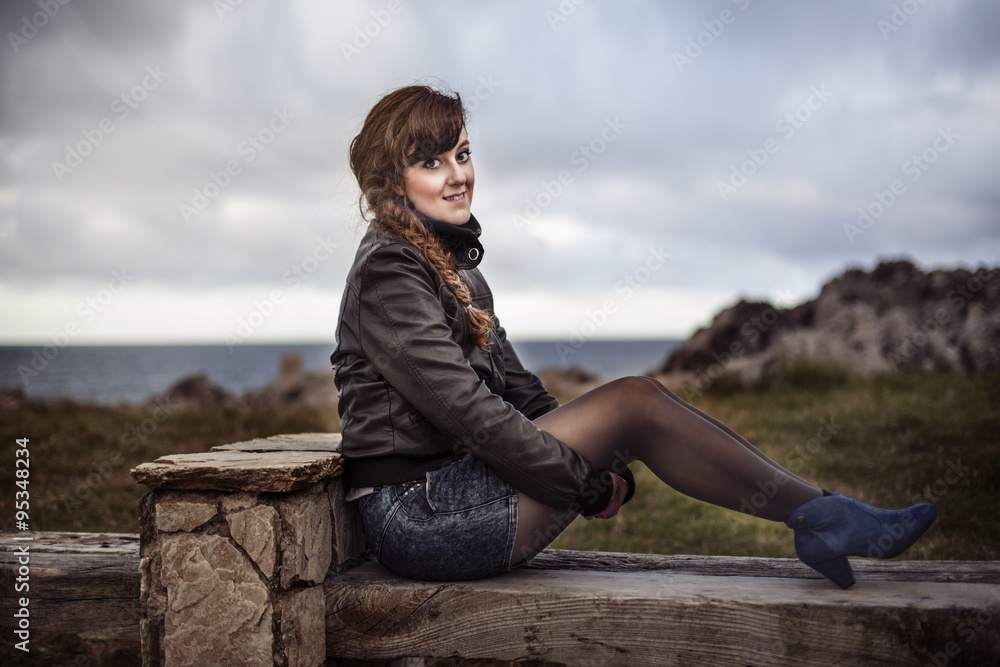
pixel 416 392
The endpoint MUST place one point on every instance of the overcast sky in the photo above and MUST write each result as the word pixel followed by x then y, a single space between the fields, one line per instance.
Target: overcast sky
pixel 177 171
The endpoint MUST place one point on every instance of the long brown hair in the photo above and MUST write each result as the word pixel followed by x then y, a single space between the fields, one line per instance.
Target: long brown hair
pixel 405 127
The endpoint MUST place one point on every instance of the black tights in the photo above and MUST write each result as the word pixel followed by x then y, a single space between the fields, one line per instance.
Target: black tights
pixel 638 418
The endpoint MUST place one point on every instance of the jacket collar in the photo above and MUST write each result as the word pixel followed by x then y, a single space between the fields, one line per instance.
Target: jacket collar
pixel 461 240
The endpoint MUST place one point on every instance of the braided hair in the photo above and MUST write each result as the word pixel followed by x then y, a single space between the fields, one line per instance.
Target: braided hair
pixel 405 127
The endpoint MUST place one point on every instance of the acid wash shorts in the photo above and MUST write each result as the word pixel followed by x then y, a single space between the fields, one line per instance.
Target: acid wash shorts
pixel 456 524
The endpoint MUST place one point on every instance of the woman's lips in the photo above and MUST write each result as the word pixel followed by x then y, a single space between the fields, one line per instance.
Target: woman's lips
pixel 456 198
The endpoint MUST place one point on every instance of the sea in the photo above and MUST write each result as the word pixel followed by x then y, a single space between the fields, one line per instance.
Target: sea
pixel 108 375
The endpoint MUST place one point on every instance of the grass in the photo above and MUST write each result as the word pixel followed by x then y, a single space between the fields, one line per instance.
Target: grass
pixel 888 440
pixel 80 455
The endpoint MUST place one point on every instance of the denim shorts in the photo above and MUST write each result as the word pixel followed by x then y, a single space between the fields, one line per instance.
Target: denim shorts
pixel 458 523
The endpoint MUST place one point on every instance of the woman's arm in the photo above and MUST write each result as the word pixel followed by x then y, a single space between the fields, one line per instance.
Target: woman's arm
pixel 409 339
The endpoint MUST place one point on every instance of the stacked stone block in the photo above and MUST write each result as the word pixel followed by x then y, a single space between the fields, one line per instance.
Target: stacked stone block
pixel 235 546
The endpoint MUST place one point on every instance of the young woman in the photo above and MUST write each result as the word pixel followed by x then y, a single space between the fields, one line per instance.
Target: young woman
pixel 463 465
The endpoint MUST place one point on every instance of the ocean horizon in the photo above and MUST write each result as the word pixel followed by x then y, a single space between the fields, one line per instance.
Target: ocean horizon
pixel 111 374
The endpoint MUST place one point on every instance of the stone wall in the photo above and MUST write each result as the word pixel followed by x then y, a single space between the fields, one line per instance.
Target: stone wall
pixel 235 546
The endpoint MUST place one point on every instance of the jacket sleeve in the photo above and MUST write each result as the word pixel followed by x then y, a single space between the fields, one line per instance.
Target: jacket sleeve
pixel 408 337
pixel 524 390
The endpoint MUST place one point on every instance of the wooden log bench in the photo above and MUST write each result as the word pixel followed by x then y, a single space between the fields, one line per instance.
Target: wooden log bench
pixel 249 555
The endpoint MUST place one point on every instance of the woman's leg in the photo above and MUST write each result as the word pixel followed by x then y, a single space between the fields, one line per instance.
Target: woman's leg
pixel 638 418
pixel 743 441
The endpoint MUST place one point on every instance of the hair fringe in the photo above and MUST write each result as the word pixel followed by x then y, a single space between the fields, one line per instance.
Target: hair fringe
pixel 394 126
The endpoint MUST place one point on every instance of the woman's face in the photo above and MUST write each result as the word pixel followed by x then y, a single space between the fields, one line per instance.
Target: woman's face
pixel 441 187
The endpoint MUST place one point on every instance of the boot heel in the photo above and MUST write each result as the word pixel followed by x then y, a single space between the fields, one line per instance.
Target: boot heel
pixel 837 570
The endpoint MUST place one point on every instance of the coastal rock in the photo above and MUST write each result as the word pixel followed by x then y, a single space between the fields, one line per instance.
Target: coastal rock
pixel 12 398
pixel 195 391
pixel 312 390
pixel 896 317
pixel 293 388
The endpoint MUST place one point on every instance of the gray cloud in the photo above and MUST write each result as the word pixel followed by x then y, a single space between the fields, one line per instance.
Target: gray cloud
pixel 541 93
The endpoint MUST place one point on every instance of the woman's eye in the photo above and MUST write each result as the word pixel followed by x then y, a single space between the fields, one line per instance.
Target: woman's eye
pixel 432 163
pixel 465 156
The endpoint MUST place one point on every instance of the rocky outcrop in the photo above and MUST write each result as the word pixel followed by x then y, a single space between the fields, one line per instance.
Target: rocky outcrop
pixel 313 390
pixel 196 391
pixel 895 317
pixel 294 388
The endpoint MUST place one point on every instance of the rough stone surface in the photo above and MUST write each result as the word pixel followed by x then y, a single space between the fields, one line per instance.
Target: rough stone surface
pixel 306 535
pixel 232 502
pixel 348 543
pixel 303 627
pixel 218 610
pixel 183 515
pixel 275 472
pixel 257 530
pixel 293 442
pixel 895 317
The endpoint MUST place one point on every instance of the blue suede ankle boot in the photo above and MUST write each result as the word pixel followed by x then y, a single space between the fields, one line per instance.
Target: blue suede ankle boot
pixel 834 526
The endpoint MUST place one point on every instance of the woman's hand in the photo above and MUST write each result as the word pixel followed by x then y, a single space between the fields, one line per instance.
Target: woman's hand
pixel 617 496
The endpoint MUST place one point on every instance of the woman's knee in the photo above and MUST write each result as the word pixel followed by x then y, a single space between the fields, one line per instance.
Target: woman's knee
pixel 637 389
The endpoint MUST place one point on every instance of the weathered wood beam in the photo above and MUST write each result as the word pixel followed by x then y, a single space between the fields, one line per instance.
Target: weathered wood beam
pixel 584 608
pixel 84 584
pixel 601 609
pixel 83 598
pixel 987 572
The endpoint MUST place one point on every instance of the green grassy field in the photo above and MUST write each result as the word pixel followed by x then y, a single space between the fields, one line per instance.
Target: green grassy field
pixel 80 455
pixel 889 440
